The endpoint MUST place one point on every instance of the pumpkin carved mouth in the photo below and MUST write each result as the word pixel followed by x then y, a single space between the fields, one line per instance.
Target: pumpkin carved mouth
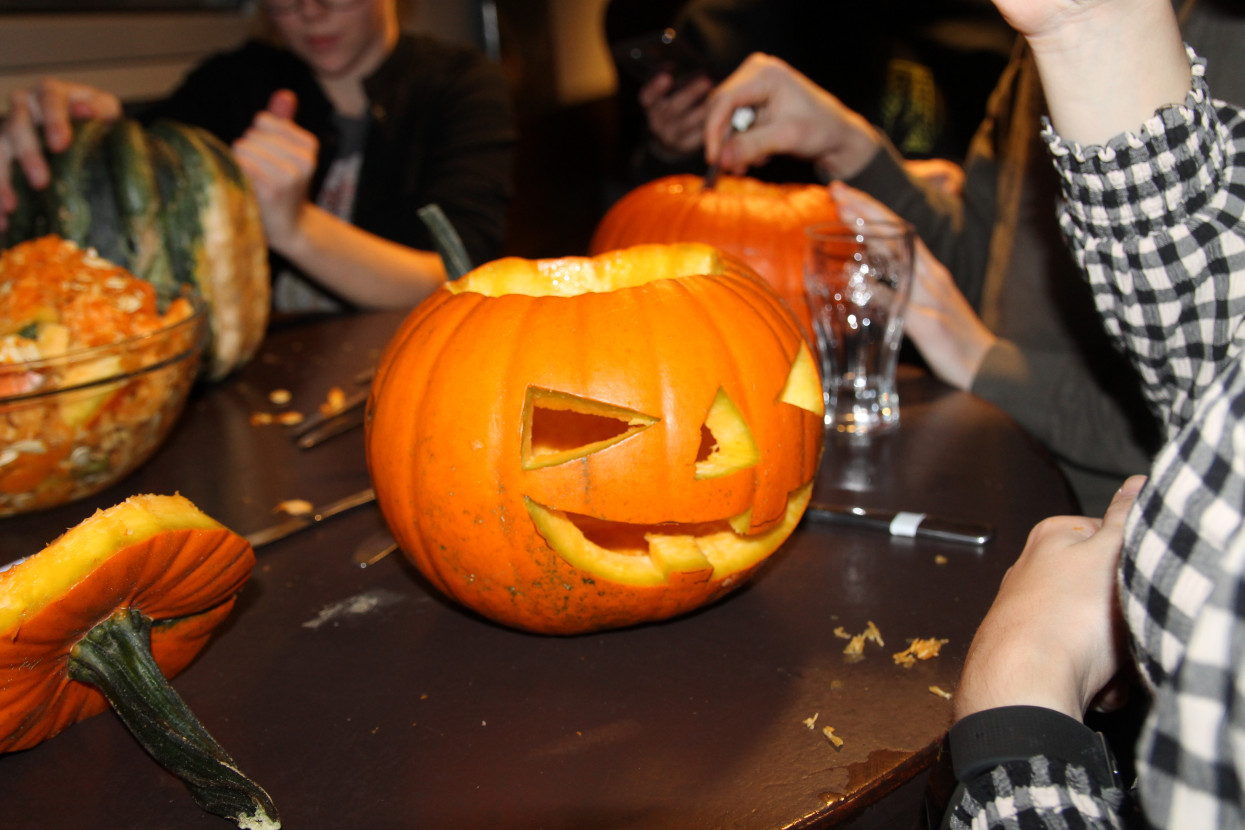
pixel 656 554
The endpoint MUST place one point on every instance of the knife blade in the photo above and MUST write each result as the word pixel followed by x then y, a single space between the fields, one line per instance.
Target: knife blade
pixel 374 548
pixel 902 523
pixel 292 525
pixel 351 403
pixel 340 424
pixel 741 119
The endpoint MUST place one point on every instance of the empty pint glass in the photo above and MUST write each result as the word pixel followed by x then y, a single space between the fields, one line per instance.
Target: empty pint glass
pixel 857 277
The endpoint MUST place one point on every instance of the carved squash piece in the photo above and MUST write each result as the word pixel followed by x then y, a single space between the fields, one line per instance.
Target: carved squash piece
pixel 732 447
pixel 803 386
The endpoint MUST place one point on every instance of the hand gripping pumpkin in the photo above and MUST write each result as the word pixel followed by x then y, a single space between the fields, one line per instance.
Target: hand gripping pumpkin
pixel 576 444
pixel 761 223
pixel 103 615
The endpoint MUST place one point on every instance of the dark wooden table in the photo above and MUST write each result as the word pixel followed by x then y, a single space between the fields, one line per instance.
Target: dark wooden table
pixel 359 698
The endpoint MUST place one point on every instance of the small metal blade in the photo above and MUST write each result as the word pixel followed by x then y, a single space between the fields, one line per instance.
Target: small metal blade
pixel 352 403
pixel 374 548
pixel 741 119
pixel 282 529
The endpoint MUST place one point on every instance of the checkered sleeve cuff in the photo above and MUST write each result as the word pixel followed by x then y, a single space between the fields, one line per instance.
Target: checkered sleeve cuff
pixel 1028 766
pixel 1140 180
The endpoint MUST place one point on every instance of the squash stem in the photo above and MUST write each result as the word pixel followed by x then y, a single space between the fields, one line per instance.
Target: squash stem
pixel 446 240
pixel 115 657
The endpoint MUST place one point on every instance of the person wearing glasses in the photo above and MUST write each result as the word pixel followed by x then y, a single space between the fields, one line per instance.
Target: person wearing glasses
pixel 346 126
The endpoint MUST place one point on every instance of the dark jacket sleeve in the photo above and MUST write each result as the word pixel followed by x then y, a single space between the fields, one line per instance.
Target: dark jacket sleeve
pixel 1027 766
pixel 956 231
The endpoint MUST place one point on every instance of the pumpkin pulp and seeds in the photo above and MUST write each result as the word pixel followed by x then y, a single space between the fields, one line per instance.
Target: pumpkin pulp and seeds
pixel 57 300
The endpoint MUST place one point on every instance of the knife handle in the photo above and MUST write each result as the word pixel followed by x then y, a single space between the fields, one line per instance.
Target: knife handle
pixel 899 523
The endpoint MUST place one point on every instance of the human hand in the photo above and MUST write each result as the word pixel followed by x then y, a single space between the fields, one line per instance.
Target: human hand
pixel 943 174
pixel 1052 637
pixel 940 321
pixel 51 105
pixel 794 117
pixel 279 158
pixel 676 117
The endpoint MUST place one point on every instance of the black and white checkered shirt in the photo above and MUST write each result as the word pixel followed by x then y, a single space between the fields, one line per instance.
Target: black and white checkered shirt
pixel 1157 221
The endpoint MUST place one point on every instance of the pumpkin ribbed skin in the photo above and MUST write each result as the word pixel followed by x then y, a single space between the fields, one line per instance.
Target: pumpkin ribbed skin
pixel 169 204
pixel 465 385
pixel 183 571
pixel 761 223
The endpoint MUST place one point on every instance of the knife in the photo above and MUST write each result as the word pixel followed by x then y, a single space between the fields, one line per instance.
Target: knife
pixel 900 523
pixel 316 422
pixel 741 119
pixel 339 424
pixel 292 525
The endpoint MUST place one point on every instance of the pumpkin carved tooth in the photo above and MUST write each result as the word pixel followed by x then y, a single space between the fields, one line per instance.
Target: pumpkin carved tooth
pixel 678 554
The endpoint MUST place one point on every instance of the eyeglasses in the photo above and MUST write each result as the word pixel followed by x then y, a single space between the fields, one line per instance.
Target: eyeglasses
pixel 287 6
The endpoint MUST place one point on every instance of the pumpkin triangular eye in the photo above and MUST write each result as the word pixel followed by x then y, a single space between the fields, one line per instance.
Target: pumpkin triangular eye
pixel 803 386
pixel 558 427
pixel 726 443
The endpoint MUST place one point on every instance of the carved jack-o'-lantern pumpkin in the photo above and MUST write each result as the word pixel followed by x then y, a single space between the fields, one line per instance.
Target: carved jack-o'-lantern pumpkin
pixel 759 222
pixel 575 444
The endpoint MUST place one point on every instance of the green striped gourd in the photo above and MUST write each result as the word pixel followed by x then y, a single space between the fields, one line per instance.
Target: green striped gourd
pixel 169 203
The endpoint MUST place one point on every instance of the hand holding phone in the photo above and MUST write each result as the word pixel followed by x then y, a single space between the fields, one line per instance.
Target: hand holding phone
pixel 649 55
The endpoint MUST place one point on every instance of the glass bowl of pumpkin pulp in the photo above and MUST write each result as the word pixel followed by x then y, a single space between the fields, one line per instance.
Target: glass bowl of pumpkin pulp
pixel 95 368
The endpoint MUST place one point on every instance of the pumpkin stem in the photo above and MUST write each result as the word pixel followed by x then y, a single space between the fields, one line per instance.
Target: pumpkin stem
pixel 115 657
pixel 446 240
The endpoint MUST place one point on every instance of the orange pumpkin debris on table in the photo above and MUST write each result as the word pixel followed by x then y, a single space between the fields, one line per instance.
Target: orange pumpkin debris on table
pixel 576 444
pixel 103 615
pixel 759 222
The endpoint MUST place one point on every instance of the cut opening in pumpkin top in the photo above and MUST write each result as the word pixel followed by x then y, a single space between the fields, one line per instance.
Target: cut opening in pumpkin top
pixel 572 276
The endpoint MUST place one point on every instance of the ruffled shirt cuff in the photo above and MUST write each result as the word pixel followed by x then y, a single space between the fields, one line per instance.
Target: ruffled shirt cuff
pixel 1140 179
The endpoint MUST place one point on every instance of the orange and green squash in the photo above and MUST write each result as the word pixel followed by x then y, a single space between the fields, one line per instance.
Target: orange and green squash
pixel 108 611
pixel 577 444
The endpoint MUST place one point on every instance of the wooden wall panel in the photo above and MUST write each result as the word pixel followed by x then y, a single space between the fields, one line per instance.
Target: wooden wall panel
pixel 137 56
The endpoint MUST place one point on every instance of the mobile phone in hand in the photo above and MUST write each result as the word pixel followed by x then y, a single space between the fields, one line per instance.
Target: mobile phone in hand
pixel 647 56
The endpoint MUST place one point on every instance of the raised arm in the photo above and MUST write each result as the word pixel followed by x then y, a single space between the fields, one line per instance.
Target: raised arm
pixel 279 157
pixel 1106 65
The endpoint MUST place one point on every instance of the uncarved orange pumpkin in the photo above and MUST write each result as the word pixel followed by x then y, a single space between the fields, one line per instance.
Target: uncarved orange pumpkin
pixel 759 222
pixel 584 443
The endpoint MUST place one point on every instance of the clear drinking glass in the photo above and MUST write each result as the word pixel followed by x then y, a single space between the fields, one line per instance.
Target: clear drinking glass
pixel 857 277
